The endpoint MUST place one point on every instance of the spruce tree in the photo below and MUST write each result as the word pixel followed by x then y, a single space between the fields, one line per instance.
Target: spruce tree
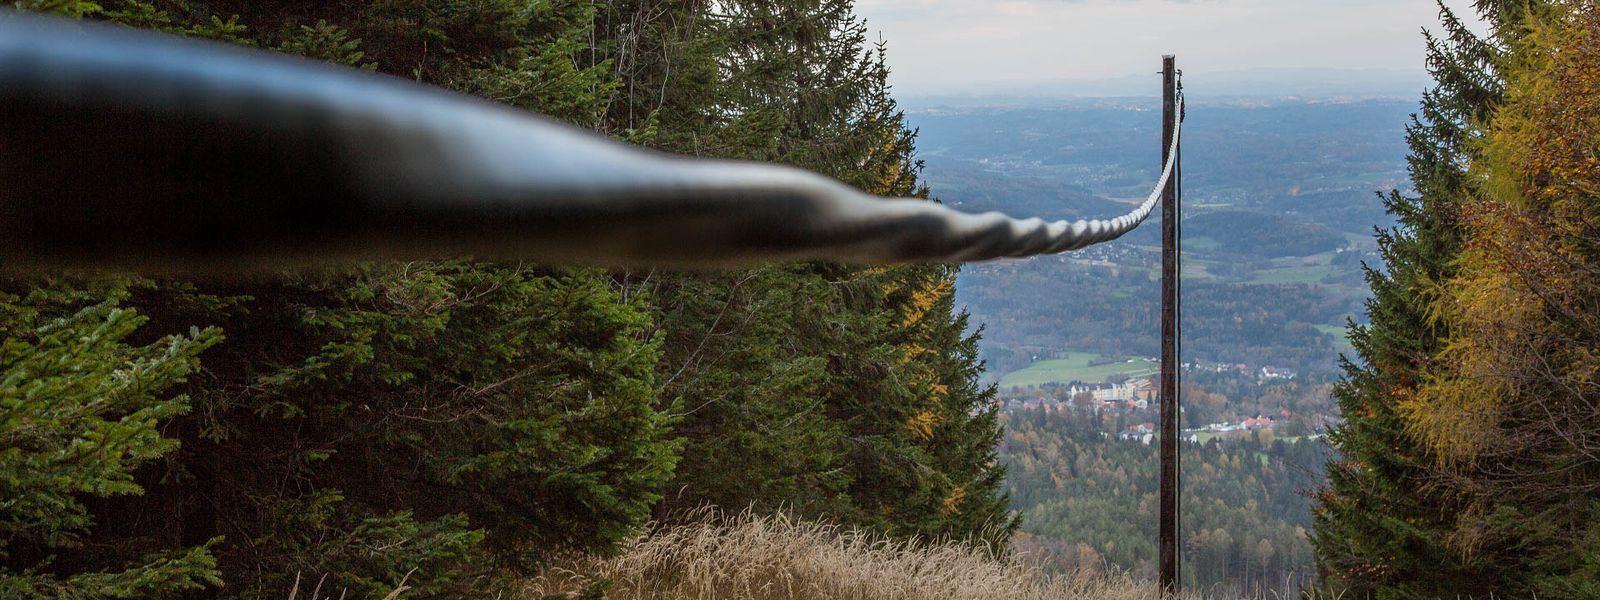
pixel 474 420
pixel 942 481
pixel 81 408
pixel 469 419
pixel 1384 520
pixel 876 415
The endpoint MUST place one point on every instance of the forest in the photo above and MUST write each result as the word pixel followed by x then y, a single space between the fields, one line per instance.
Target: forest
pixel 1039 306
pixel 1089 503
pixel 1467 458
pixel 456 425
pixel 471 428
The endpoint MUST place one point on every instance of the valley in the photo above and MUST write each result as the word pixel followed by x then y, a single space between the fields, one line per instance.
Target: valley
pixel 1280 202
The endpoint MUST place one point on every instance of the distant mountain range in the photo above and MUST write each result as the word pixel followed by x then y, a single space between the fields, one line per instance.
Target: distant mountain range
pixel 1280 204
pixel 1253 86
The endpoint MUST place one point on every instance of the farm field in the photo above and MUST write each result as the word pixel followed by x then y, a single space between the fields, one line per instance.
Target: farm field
pixel 1310 274
pixel 1076 366
pixel 1339 333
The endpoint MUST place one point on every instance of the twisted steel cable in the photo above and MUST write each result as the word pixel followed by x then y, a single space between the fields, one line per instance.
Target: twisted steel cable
pixel 136 149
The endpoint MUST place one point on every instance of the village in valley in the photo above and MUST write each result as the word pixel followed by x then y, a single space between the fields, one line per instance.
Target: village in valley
pixel 1126 404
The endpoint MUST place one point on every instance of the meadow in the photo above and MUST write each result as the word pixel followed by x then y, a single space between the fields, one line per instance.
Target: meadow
pixel 1077 366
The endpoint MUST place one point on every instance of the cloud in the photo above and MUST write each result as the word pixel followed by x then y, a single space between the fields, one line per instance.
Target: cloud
pixel 951 45
pixel 1017 9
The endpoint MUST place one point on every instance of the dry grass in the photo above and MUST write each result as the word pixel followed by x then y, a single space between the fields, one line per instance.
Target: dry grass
pixel 772 558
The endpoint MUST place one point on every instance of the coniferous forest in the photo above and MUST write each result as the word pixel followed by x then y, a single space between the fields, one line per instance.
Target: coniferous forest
pixel 457 423
pixel 1091 504
pixel 472 428
pixel 1468 463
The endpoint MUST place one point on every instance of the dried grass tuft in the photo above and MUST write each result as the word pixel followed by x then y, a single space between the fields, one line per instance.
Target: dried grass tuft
pixel 777 557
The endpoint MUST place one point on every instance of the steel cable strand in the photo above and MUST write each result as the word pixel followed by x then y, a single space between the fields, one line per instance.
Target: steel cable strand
pixel 211 156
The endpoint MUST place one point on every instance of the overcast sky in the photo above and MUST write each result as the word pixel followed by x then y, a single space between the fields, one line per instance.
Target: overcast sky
pixel 955 46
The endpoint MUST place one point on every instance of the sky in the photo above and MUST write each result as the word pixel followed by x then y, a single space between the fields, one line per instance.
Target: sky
pixel 996 46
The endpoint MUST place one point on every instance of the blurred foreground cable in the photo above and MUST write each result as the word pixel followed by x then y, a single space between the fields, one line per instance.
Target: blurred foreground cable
pixel 133 149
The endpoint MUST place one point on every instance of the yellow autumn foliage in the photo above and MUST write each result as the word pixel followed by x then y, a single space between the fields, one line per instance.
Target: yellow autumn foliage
pixel 921 424
pixel 952 503
pixel 926 298
pixel 1522 303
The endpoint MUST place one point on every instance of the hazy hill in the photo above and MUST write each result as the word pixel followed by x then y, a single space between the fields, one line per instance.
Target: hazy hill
pixel 1279 208
pixel 1246 85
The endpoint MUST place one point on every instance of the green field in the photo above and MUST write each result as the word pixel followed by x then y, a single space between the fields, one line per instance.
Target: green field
pixel 1074 366
pixel 1306 274
pixel 1193 269
pixel 1337 331
pixel 1340 335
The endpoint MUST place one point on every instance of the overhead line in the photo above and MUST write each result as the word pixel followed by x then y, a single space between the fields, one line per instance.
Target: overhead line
pixel 145 150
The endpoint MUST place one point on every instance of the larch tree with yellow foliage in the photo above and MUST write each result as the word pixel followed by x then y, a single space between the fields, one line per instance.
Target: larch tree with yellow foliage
pixel 1384 521
pixel 1512 405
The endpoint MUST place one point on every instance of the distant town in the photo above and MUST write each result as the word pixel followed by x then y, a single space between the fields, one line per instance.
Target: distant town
pixel 1264 374
pixel 1127 404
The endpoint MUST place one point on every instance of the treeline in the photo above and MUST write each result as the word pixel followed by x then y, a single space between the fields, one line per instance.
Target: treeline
pixel 1470 462
pixel 1222 397
pixel 1211 398
pixel 1260 235
pixel 1253 157
pixel 1089 501
pixel 976 187
pixel 458 423
pixel 1038 307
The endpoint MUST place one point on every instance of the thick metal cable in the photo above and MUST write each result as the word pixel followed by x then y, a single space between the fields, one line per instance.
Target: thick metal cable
pixel 128 148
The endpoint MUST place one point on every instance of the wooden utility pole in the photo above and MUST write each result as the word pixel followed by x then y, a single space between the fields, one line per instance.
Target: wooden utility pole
pixel 1169 337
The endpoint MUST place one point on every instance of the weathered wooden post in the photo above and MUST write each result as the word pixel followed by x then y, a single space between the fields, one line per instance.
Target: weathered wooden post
pixel 1169 337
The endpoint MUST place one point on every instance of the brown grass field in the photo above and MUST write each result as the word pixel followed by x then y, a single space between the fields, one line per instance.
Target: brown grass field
pixel 779 558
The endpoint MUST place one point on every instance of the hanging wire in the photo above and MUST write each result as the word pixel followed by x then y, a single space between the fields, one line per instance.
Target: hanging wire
pixel 130 148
